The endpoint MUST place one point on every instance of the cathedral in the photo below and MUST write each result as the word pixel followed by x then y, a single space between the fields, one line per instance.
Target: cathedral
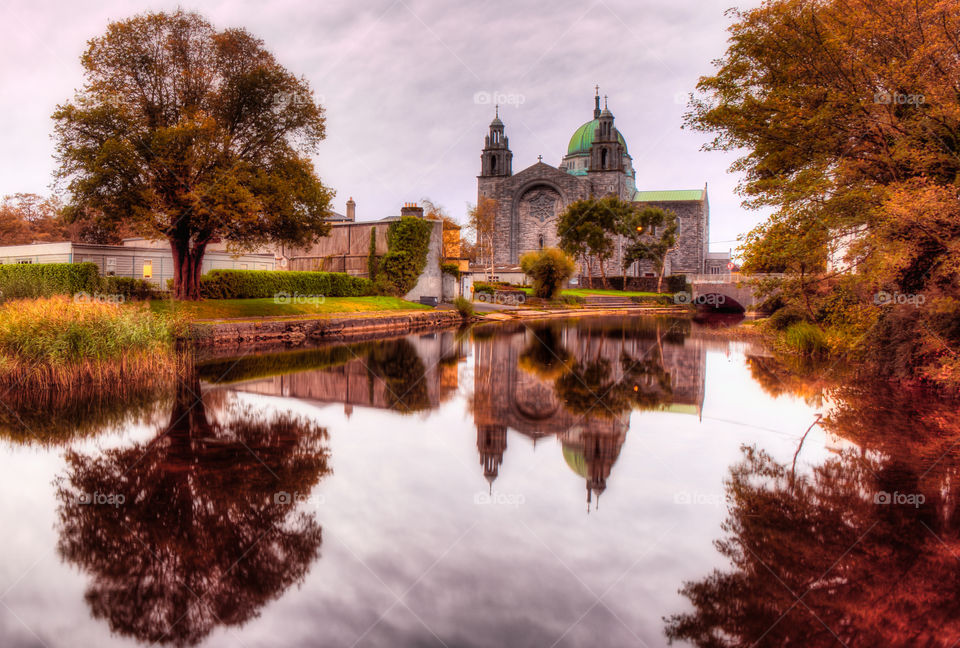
pixel 597 163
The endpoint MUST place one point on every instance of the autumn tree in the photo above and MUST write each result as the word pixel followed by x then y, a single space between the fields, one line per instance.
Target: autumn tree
pixel 846 113
pixel 192 135
pixel 587 228
pixel 28 218
pixel 481 221
pixel 650 234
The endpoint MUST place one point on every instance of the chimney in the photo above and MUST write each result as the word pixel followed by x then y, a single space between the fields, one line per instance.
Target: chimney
pixel 411 209
pixel 351 210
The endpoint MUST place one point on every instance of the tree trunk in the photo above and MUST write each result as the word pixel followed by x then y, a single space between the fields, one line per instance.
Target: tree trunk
pixel 187 264
pixel 603 273
pixel 663 267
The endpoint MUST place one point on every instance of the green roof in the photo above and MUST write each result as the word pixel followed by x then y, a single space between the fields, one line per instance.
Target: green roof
pixel 576 461
pixel 583 138
pixel 667 196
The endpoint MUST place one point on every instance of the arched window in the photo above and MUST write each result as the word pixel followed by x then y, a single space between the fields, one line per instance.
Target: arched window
pixel 603 158
pixel 493 164
pixel 541 241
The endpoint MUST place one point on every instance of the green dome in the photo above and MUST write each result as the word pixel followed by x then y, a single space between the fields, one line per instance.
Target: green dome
pixel 583 138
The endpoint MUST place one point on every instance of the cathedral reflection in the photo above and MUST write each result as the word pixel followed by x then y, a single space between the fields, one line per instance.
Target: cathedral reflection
pixel 576 384
pixel 580 385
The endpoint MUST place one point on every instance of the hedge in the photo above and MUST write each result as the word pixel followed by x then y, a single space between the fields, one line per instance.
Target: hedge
pixel 250 284
pixel 671 284
pixel 47 279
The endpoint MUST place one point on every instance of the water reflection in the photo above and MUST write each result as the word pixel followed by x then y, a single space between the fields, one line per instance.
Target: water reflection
pixel 201 525
pixel 198 527
pixel 580 384
pixel 859 551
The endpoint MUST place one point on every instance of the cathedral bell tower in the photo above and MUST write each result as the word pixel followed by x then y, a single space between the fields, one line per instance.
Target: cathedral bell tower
pixel 606 152
pixel 496 159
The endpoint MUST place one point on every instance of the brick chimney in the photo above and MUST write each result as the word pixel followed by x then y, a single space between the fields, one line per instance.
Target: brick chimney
pixel 351 210
pixel 411 209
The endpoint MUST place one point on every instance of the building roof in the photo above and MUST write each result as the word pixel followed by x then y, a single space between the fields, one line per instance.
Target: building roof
pixel 336 216
pixel 676 195
pixel 583 138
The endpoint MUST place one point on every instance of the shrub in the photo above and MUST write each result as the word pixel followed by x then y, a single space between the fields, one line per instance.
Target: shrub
pixel 573 300
pixel 251 284
pixel 548 268
pixel 129 287
pixel 372 260
pixel 806 339
pixel 484 287
pixel 408 241
pixel 464 307
pixel 48 279
pixel 783 318
pixel 450 269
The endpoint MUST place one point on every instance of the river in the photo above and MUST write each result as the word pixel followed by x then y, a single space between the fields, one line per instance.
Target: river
pixel 601 482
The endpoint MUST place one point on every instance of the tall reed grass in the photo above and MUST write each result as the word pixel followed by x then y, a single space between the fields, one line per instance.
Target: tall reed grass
pixel 60 342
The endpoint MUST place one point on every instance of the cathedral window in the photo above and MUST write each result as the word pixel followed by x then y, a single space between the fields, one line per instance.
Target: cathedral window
pixel 541 241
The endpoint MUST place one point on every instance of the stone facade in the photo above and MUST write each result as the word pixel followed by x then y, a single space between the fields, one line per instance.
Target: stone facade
pixel 597 164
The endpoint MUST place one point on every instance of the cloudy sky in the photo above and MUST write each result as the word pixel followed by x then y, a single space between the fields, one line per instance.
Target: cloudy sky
pixel 408 86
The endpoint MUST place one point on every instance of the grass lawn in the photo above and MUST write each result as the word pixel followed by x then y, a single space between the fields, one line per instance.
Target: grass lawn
pixel 267 307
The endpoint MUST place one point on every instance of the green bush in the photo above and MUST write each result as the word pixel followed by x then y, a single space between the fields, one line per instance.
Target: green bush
pixel 129 287
pixel 677 283
pixel 464 307
pixel 806 339
pixel 549 268
pixel 783 318
pixel 251 284
pixel 408 241
pixel 372 259
pixel 48 279
pixel 573 300
pixel 450 269
pixel 484 287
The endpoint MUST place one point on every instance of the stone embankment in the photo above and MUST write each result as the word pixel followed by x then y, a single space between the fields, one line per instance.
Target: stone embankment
pixel 261 331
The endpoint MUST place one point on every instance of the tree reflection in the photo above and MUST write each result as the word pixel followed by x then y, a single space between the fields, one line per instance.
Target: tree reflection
pixel 398 365
pixel 208 530
pixel 860 551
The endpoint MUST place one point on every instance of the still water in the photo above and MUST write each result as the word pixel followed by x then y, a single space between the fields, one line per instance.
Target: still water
pixel 596 483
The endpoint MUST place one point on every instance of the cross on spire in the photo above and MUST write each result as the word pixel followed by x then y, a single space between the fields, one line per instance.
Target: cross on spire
pixel 496 108
pixel 604 101
pixel 539 158
pixel 597 88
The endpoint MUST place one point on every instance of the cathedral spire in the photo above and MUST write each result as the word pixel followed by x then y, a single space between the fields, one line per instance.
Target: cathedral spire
pixel 596 103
